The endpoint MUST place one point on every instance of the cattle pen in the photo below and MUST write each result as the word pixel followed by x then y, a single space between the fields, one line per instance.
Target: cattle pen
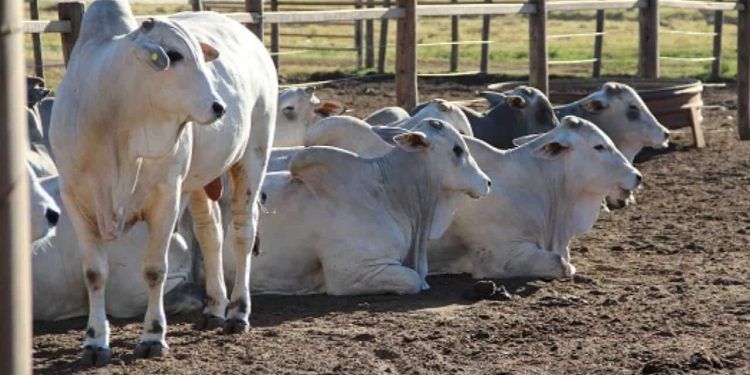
pixel 406 13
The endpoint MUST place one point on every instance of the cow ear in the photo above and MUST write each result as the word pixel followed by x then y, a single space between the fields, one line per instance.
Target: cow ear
pixel 209 52
pixel 612 88
pixel 551 150
pixel 152 54
pixel 309 90
pixel 520 141
pixel 594 106
pixel 328 109
pixel 412 141
pixel 443 105
pixel 515 101
pixel 493 98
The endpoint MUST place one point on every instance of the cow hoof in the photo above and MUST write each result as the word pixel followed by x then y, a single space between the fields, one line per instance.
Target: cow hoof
pixel 150 349
pixel 235 326
pixel 568 269
pixel 93 356
pixel 209 322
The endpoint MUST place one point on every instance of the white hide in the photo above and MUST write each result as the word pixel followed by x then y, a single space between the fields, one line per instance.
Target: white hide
pixel 387 116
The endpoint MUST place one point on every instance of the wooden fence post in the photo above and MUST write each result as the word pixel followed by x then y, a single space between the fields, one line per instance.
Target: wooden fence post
pixel 358 36
pixel 370 39
pixel 454 40
pixel 598 44
pixel 484 62
pixel 648 57
pixel 538 64
pixel 196 5
pixel 383 39
pixel 15 259
pixel 275 35
pixel 743 71
pixel 73 12
pixel 255 6
pixel 407 95
pixel 36 41
pixel 718 30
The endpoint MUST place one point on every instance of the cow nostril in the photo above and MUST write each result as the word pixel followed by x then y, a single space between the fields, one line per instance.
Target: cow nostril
pixel 666 135
pixel 218 109
pixel 52 216
pixel 639 177
pixel 489 183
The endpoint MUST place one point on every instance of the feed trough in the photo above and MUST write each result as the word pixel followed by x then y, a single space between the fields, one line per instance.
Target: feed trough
pixel 675 103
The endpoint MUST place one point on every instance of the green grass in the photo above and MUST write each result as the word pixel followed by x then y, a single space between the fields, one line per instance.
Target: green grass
pixel 508 52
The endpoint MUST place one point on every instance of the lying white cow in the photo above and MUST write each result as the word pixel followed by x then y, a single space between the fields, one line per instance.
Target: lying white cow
pixel 345 225
pixel 545 192
pixel 299 108
pixel 43 209
pixel 59 286
pixel 140 152
pixel 620 112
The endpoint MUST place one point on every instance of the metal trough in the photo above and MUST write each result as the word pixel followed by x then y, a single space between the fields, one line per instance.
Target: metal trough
pixel 675 103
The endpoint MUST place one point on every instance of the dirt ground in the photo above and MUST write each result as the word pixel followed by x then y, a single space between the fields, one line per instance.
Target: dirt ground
pixel 662 288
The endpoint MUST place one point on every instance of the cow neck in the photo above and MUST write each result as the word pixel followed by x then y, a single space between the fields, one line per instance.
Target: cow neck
pixel 558 205
pixel 412 190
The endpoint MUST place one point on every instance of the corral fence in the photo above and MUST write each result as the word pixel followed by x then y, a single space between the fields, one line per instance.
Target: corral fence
pixel 406 12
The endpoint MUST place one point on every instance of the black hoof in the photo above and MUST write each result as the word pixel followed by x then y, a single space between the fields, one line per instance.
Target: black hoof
pixel 150 349
pixel 235 326
pixel 93 356
pixel 209 322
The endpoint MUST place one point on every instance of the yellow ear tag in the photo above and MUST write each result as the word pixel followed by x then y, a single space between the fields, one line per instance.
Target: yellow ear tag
pixel 154 56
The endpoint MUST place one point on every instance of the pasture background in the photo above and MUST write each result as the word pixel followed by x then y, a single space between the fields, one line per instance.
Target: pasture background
pixel 508 53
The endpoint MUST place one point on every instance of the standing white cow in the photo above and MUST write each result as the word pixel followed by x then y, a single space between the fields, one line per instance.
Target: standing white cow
pixel 135 136
pixel 545 192
pixel 344 225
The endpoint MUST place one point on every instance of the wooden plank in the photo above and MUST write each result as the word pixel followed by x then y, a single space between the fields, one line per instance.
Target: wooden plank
pixel 370 39
pixel 474 9
pixel 275 36
pixel 73 13
pixel 197 5
pixel 484 60
pixel 716 51
pixel 570 62
pixel 696 119
pixel 256 7
pixel 15 259
pixel 648 58
pixel 328 15
pixel 32 27
pixel 743 72
pixel 687 59
pixel 595 5
pixel 315 35
pixel 454 39
pixel 36 41
pixel 383 40
pixel 358 36
pixel 538 58
pixel 465 42
pixel 598 44
pixel 407 95
pixel 702 5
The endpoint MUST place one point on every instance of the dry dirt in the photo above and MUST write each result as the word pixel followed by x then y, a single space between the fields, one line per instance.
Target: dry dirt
pixel 662 289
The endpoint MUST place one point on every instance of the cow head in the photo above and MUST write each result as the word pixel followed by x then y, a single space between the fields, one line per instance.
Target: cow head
pixel 446 111
pixel 533 108
pixel 447 152
pixel 591 163
pixel 618 110
pixel 299 108
pixel 173 72
pixel 43 210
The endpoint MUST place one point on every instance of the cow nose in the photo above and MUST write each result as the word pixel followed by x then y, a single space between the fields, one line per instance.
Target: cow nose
pixel 489 183
pixel 666 134
pixel 218 109
pixel 52 216
pixel 639 178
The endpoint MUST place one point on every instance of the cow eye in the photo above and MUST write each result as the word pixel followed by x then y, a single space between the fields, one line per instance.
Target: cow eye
pixel 600 148
pixel 174 56
pixel 633 107
pixel 289 108
pixel 458 151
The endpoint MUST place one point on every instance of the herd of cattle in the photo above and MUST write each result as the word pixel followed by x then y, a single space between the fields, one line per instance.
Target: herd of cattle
pixel 184 112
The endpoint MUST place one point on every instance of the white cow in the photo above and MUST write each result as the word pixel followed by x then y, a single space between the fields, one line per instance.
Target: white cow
pixel 345 225
pixel 59 286
pixel 158 142
pixel 386 116
pixel 299 108
pixel 440 109
pixel 545 192
pixel 43 209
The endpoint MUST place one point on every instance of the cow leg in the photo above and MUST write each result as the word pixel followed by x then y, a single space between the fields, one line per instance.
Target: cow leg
pixel 346 276
pixel 207 228
pixel 161 218
pixel 96 351
pixel 525 260
pixel 247 178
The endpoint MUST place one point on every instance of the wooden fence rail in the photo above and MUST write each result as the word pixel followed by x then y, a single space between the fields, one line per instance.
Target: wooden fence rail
pixel 406 13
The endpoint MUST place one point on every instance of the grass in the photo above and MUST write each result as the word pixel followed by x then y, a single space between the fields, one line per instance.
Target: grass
pixel 508 52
